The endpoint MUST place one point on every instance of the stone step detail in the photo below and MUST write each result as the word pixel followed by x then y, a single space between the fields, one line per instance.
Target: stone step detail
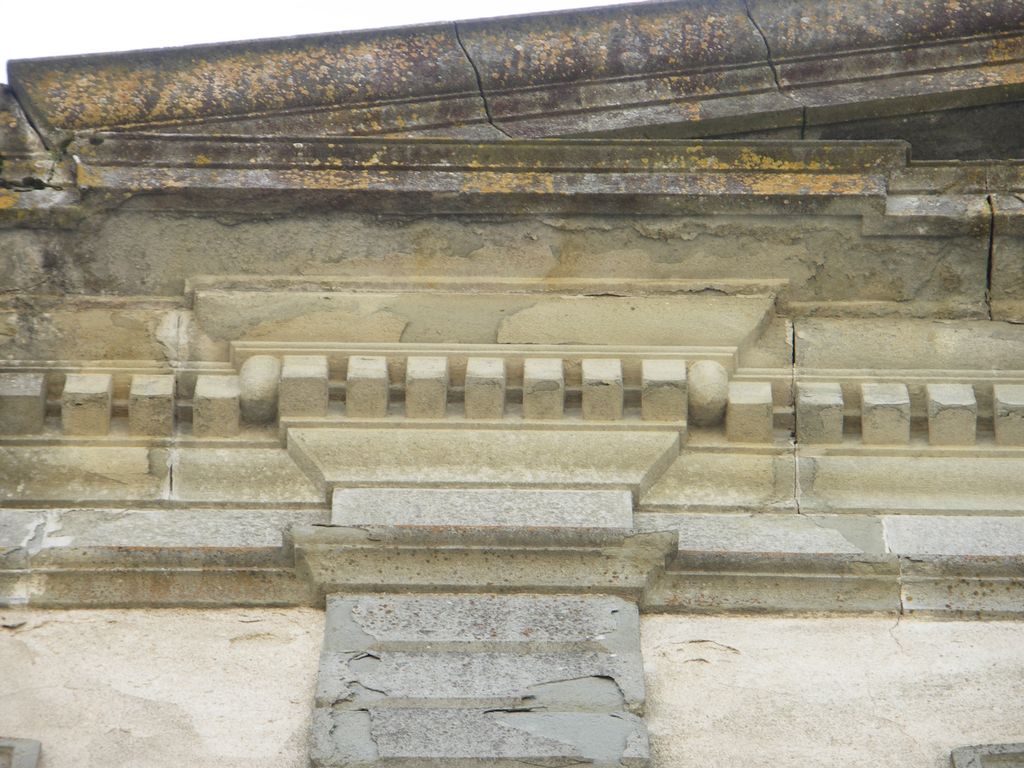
pixel 479 680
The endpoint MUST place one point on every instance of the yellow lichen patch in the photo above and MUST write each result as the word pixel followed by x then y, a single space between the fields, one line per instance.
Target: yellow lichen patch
pixel 753 160
pixel 8 199
pixel 1005 49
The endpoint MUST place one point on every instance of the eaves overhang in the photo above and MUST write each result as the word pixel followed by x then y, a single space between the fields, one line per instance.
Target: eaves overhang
pixel 708 68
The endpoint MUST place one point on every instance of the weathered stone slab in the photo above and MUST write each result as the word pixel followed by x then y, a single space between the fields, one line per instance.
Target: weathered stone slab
pixel 449 515
pixel 574 678
pixel 762 592
pixel 954 536
pixel 22 403
pixel 151 405
pixel 718 482
pixel 888 344
pixel 167 537
pixel 224 476
pixel 479 680
pixel 80 474
pixel 775 545
pixel 472 737
pixel 85 403
pixel 511 649
pixel 885 484
pixel 682 320
pixel 360 623
pixel 467 458
pixel 21 531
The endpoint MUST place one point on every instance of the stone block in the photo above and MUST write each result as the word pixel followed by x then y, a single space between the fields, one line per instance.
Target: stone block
pixel 366 387
pixel 426 387
pixel 749 417
pixel 435 457
pixel 151 405
pixel 259 378
pixel 215 406
pixel 22 403
pixel 554 652
pixel 819 413
pixel 543 388
pixel 1008 413
pixel 663 395
pixel 952 414
pixel 434 738
pixel 988 756
pixel 485 388
pixel 85 403
pixel 884 414
pixel 19 753
pixel 303 388
pixel 602 389
pixel 451 515
pixel 954 535
pixel 364 622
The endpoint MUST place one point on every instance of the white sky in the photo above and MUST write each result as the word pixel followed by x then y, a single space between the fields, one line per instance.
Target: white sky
pixel 34 28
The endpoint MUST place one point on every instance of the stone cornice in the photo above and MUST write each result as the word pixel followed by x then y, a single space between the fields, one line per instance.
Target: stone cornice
pixel 703 69
pixel 454 176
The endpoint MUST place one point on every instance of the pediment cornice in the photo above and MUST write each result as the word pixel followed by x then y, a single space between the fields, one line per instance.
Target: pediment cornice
pixel 697 69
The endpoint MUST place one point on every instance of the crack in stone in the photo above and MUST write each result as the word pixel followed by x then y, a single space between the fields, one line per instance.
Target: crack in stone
pixel 479 80
pixel 991 250
pixel 767 47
